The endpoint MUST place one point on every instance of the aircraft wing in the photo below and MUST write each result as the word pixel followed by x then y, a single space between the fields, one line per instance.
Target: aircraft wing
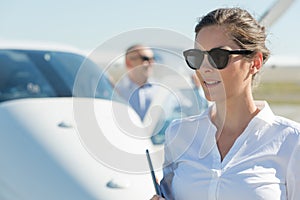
pixel 275 11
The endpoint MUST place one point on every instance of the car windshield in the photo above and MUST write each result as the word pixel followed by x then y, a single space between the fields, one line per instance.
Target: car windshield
pixel 37 74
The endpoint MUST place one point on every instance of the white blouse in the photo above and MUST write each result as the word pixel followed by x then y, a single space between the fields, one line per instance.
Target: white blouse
pixel 263 163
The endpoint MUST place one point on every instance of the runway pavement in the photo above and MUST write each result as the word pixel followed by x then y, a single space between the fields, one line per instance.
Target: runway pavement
pixel 279 75
pixel 289 111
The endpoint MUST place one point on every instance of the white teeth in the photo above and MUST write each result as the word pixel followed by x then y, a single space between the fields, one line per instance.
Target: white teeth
pixel 211 82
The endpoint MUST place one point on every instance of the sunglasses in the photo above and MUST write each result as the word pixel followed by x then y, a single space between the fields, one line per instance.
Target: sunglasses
pixel 144 58
pixel 217 57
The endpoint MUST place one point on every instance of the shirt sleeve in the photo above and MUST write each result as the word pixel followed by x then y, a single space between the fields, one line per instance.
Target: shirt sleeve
pixel 293 173
pixel 168 169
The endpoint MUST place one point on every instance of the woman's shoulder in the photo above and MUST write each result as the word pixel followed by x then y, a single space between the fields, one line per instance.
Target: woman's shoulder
pixel 190 120
pixel 276 123
pixel 287 124
pixel 183 127
pixel 180 134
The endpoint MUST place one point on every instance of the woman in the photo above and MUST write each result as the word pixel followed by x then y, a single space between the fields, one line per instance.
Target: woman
pixel 237 149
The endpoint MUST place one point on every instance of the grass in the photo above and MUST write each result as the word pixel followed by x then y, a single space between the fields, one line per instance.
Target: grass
pixel 278 92
pixel 279 86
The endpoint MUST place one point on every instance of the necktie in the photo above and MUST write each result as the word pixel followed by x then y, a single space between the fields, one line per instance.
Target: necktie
pixel 140 100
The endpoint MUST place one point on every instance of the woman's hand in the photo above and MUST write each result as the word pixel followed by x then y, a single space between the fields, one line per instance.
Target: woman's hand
pixel 156 197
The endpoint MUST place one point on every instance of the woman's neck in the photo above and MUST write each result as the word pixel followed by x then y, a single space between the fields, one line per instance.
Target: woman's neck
pixel 234 114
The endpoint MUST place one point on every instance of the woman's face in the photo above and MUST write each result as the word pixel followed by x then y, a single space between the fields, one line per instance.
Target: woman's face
pixel 231 82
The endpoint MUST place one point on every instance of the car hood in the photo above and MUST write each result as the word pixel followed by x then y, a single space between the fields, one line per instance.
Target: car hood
pixel 73 148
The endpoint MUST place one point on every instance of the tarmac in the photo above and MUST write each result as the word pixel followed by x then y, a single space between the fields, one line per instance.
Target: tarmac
pixel 289 111
pixel 283 74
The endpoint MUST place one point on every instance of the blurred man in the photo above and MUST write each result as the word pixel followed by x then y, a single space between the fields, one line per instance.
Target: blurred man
pixel 135 87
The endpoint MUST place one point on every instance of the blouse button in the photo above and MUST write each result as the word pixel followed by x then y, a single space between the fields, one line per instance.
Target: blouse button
pixel 216 173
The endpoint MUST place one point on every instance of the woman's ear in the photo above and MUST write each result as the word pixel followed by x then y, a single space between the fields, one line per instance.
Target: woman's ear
pixel 257 63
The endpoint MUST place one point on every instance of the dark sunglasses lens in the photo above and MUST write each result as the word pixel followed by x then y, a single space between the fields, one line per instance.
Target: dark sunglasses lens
pixel 218 58
pixel 193 58
pixel 146 58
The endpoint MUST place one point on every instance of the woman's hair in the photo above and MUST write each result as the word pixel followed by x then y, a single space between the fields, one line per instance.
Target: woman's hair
pixel 240 26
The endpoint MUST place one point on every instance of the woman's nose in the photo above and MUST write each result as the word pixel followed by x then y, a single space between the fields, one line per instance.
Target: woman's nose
pixel 205 65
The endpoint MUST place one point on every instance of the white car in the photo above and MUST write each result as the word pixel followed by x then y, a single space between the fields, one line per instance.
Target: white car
pixel 65 134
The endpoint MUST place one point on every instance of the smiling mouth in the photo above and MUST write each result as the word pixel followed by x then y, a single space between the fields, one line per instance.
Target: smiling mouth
pixel 211 83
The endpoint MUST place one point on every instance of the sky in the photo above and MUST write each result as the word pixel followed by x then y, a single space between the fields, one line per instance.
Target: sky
pixel 87 24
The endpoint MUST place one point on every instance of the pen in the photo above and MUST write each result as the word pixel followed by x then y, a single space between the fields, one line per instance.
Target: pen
pixel 156 185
